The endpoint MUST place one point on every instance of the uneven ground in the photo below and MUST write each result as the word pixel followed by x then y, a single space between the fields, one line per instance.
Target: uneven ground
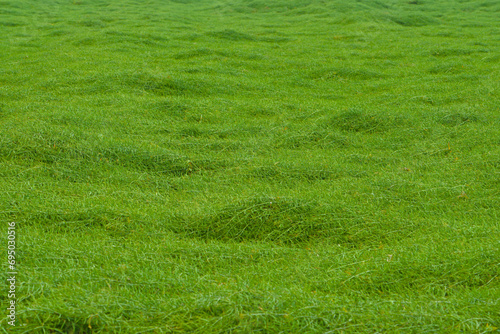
pixel 241 166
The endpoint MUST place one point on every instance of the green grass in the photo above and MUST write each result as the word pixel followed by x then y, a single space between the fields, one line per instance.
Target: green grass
pixel 251 166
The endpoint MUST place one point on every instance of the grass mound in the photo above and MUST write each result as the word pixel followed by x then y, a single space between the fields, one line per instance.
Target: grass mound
pixel 289 222
pixel 273 219
pixel 320 138
pixel 458 118
pixel 344 73
pixel 361 121
pixel 294 173
pixel 232 35
pixel 413 20
pixel 161 85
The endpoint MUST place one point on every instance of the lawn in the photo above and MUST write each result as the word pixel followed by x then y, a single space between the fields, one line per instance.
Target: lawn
pixel 251 166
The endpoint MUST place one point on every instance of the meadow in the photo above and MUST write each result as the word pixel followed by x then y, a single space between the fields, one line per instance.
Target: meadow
pixel 251 166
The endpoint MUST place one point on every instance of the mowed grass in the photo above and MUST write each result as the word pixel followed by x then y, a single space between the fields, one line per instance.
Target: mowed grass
pixel 298 166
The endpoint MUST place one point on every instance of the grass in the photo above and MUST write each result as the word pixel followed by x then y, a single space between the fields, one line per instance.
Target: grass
pixel 243 166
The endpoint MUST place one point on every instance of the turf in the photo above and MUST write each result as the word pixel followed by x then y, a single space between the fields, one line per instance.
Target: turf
pixel 249 166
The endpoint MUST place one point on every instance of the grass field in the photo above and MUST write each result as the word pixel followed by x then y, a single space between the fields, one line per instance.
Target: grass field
pixel 251 166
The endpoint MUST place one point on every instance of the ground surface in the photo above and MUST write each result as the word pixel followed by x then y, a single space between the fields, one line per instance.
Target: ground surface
pixel 242 166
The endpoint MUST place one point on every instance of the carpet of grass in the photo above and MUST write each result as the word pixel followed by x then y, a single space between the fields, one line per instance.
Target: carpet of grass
pixel 299 166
